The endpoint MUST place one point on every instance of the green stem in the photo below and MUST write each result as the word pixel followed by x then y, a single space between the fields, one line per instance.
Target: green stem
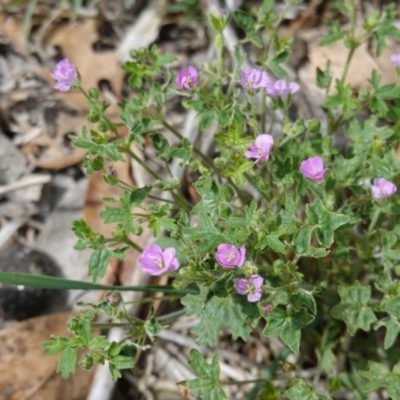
pixel 226 383
pixel 109 325
pixel 195 149
pixel 142 163
pixel 171 316
pixel 159 199
pixel 151 299
pixel 263 110
pixel 348 60
pixel 374 220
pixel 133 245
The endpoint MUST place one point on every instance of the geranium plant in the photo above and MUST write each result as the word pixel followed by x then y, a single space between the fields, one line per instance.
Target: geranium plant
pixel 291 232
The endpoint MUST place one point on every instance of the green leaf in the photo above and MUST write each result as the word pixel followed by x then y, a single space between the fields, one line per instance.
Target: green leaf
pixel 109 150
pixel 151 326
pixel 99 343
pixel 302 243
pixel 287 326
pixel 112 214
pixel 55 345
pixel 326 222
pixel 275 244
pixel 392 330
pixel 221 311
pixel 247 23
pixel 99 259
pixel 326 359
pixel 343 99
pixel 51 282
pixel 324 78
pixel 393 306
pixel 207 383
pixel 303 298
pixel 353 308
pixel 67 362
pixel 335 33
pixel 120 362
pixel 379 376
pixel 139 194
pixel 274 64
pixel 301 390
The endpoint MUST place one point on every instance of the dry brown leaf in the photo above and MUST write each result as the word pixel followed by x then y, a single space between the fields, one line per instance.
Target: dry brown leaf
pixel 75 41
pixel 26 373
pixel 97 190
pixel 361 65
pixel 52 152
pixel 13 29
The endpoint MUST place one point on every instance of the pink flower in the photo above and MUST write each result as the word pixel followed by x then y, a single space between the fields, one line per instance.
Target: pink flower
pixel 187 78
pixel 65 74
pixel 395 59
pixel 252 287
pixel 282 88
pixel 260 151
pixel 155 261
pixel 253 78
pixel 382 189
pixel 112 299
pixel 268 308
pixel 313 168
pixel 229 256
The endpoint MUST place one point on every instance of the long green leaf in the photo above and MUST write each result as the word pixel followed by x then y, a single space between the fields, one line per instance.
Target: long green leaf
pixel 51 282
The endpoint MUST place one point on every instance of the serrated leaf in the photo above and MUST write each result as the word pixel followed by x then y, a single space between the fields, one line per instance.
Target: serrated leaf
pixel 379 376
pixel 108 150
pixel 55 345
pixel 287 326
pixel 247 23
pixel 207 383
pixel 301 390
pixel 335 33
pixel 221 311
pixel 326 222
pixel 152 327
pixel 67 362
pixel 112 214
pixel 353 308
pixel 139 194
pixel 99 259
pixel 98 343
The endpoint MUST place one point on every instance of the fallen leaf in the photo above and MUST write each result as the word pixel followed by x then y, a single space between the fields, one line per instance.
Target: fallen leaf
pixel 26 373
pixel 75 40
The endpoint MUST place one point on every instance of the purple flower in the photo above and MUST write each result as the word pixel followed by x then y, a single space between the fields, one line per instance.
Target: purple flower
pixel 268 308
pixel 155 261
pixel 260 150
pixel 253 78
pixel 382 189
pixel 282 88
pixel 65 74
pixel 229 256
pixel 313 168
pixel 187 78
pixel 395 59
pixel 112 299
pixel 252 287
pixel 223 10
